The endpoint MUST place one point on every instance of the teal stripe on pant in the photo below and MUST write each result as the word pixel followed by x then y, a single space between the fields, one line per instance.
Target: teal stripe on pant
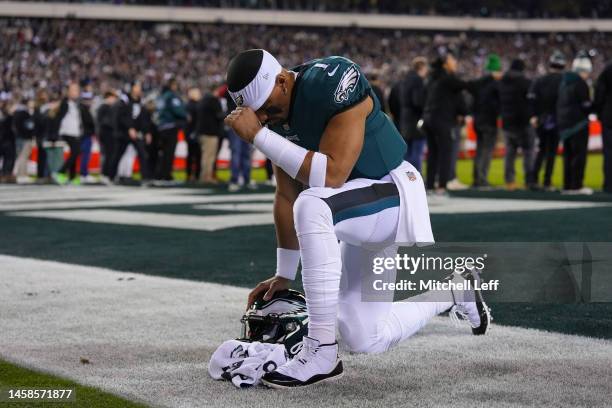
pixel 366 209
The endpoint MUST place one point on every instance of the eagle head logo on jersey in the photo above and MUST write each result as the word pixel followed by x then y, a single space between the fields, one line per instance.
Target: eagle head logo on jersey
pixel 239 100
pixel 347 84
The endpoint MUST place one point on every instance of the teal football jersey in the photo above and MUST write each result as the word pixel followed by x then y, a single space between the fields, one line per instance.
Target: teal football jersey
pixel 327 86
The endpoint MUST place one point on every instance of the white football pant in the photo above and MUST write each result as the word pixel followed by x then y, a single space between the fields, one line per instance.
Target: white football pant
pixel 363 216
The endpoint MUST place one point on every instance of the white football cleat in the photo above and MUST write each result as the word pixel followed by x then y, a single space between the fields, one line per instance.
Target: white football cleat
pixel 469 304
pixel 314 363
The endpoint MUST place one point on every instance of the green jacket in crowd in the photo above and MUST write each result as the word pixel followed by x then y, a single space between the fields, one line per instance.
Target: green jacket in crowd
pixel 171 111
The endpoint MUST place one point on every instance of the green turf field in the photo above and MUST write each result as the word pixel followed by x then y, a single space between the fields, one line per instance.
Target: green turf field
pixel 593 173
pixel 14 377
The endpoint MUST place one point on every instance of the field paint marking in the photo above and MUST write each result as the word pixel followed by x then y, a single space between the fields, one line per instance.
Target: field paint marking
pixel 152 219
pixel 259 207
pixel 117 197
pixel 456 205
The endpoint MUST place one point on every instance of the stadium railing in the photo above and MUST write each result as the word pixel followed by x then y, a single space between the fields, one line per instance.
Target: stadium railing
pixel 295 18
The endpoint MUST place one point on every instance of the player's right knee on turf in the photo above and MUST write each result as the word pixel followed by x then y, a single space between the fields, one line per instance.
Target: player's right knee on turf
pixel 358 339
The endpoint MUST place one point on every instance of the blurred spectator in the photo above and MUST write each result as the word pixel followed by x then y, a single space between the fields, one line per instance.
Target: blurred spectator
pixel 394 103
pixel 194 152
pixel 412 102
pixel 603 106
pixel 543 100
pixel 42 124
pixel 485 94
pixel 375 83
pixel 152 145
pixel 7 139
pixel 72 120
pixel 439 117
pixel 241 157
pixel 573 108
pixel 105 132
pixel 270 179
pixel 210 128
pixel 456 134
pixel 53 145
pixel 513 90
pixel 130 126
pixel 89 130
pixel 24 130
pixel 171 116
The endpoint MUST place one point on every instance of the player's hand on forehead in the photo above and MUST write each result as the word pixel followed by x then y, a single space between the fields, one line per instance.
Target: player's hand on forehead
pixel 244 122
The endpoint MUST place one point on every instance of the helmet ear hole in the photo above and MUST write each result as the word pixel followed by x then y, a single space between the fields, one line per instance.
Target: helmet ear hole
pixel 281 320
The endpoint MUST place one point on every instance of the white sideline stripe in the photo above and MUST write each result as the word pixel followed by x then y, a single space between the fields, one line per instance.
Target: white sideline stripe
pixel 259 207
pixel 33 192
pixel 152 219
pixel 150 339
pixel 115 197
pixel 457 205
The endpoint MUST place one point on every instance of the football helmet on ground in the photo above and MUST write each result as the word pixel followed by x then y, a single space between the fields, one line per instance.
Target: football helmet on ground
pixel 282 319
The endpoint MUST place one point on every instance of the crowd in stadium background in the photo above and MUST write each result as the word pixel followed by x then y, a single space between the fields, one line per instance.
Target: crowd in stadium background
pixel 113 53
pixel 41 57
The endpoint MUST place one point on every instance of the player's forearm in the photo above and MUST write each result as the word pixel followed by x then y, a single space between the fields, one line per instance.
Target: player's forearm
pixel 283 221
pixel 287 253
pixel 303 165
pixel 314 169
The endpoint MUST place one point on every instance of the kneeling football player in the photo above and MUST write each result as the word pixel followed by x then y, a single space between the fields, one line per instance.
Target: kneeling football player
pixel 344 196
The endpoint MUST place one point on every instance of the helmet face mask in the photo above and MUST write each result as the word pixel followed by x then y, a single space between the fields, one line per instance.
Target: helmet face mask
pixel 260 328
pixel 281 320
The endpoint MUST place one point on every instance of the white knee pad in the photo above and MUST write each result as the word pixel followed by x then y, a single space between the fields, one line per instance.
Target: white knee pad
pixel 311 215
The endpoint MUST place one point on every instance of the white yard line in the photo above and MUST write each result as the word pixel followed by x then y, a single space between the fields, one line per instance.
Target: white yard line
pixel 456 205
pixel 159 220
pixel 50 198
pixel 150 338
